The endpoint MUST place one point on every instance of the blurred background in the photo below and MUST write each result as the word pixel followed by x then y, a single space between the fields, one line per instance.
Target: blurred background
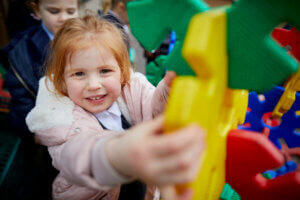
pixel 15 17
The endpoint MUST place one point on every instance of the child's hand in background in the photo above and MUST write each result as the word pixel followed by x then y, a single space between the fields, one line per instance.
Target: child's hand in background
pixel 143 153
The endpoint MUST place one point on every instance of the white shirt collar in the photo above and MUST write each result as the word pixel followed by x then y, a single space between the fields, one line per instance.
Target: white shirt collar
pixel 114 109
pixel 111 118
pixel 50 35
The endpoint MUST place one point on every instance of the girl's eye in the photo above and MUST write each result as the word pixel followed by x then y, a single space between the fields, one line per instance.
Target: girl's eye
pixel 78 74
pixel 104 71
pixel 54 11
pixel 71 11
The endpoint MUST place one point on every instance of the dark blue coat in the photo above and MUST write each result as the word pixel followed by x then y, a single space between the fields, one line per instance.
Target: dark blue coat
pixel 25 56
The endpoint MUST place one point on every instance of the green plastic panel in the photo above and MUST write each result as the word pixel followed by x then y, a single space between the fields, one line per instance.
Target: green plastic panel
pixel 256 61
pixel 152 20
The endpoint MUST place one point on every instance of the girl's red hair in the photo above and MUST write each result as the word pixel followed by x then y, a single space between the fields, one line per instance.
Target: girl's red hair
pixel 81 33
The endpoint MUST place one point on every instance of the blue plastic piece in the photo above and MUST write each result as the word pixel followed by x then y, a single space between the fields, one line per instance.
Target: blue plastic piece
pixel 290 120
pixel 289 166
pixel 270 174
pixel 172 41
pixel 132 55
pixel 282 170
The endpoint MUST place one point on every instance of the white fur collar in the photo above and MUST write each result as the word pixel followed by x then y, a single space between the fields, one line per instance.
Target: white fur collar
pixel 51 110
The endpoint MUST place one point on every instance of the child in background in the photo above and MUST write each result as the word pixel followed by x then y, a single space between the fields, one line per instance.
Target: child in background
pixel 118 11
pixel 86 102
pixel 24 58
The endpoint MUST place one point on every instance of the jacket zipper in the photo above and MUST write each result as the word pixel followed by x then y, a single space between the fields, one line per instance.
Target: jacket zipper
pixel 21 80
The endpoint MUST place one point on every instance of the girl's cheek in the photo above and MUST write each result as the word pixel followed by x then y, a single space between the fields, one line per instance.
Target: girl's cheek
pixel 116 88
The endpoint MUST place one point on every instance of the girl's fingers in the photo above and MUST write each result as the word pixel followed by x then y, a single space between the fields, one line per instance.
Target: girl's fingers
pixel 168 144
pixel 152 127
pixel 169 77
pixel 178 168
pixel 162 158
pixel 181 160
pixel 181 177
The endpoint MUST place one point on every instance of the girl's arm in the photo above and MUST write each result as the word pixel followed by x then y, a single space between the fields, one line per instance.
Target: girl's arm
pixel 144 101
pixel 143 153
pixel 161 93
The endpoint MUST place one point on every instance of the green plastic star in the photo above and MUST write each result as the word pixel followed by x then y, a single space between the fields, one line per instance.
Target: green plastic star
pixel 256 61
pixel 152 20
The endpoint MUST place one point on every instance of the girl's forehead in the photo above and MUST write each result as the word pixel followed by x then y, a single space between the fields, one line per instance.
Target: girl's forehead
pixel 91 55
pixel 92 50
pixel 59 3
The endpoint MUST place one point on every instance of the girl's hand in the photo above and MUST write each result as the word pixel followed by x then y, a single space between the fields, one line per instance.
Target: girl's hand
pixel 155 158
pixel 169 77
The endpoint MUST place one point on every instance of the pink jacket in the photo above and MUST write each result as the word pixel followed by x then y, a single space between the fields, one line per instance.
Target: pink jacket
pixel 70 132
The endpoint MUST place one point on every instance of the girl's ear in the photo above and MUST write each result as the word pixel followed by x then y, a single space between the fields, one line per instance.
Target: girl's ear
pixel 122 79
pixel 64 88
pixel 36 11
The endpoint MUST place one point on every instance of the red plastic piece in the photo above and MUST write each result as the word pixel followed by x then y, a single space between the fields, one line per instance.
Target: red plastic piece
pixel 4 98
pixel 269 122
pixel 248 155
pixel 2 92
pixel 289 37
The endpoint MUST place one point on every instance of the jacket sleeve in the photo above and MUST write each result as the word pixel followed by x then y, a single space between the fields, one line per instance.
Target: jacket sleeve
pixel 21 81
pixel 160 98
pixel 71 149
pixel 21 102
pixel 144 101
pixel 73 159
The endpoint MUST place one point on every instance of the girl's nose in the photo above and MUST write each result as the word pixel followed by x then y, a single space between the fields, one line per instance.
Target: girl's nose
pixel 94 83
pixel 63 17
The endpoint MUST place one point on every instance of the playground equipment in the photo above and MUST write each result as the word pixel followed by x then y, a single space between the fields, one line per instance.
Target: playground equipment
pixel 221 53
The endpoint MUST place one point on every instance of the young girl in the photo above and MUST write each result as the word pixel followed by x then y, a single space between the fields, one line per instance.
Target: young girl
pixel 88 98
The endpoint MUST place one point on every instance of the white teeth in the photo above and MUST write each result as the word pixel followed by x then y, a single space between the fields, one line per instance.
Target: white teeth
pixel 95 98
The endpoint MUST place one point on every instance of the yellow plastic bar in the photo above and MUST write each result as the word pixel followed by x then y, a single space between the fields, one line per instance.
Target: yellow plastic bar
pixel 288 97
pixel 199 99
pixel 206 100
pixel 192 105
pixel 205 50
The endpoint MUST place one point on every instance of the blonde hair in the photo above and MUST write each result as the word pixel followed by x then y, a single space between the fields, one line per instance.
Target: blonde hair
pixel 32 5
pixel 81 33
pixel 106 5
pixel 111 4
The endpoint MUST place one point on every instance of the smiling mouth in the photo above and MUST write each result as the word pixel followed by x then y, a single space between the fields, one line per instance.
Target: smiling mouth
pixel 96 99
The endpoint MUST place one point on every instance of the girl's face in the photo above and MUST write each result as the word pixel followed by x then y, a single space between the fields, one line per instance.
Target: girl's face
pixel 93 80
pixel 53 13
